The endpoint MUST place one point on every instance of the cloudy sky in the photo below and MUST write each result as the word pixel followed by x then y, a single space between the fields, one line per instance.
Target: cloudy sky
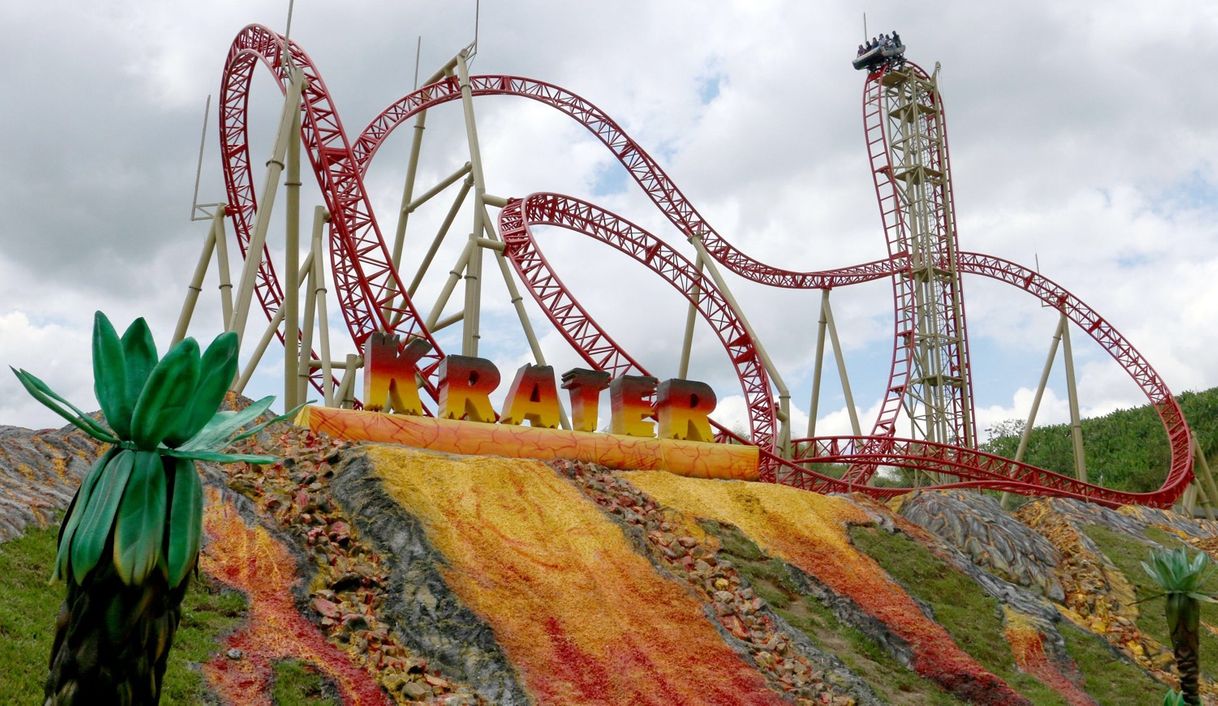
pixel 1082 139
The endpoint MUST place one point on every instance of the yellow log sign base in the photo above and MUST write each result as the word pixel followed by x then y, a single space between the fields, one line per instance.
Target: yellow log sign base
pixel 686 458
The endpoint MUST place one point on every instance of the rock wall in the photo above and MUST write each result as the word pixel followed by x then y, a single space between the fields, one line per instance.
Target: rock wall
pixel 408 576
pixel 39 473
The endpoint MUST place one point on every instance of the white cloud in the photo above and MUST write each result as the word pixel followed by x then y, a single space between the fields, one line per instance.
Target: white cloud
pixel 1079 136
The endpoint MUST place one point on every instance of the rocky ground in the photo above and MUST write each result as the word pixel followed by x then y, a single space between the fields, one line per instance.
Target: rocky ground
pixel 380 615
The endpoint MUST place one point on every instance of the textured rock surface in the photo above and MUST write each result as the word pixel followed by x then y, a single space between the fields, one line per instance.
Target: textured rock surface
pixel 429 617
pixel 977 525
pixel 39 473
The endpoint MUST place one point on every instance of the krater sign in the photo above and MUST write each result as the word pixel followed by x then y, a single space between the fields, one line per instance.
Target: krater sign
pixel 653 424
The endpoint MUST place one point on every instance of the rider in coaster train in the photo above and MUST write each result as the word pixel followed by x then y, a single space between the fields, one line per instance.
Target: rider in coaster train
pixel 878 51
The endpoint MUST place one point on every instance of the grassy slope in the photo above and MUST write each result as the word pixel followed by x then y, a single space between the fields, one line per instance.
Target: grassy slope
pixel 1126 449
pixel 973 620
pixel 1127 554
pixel 971 617
pixel 772 581
pixel 27 619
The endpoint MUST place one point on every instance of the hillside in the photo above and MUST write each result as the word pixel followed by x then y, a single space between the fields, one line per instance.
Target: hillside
pixel 1125 449
pixel 371 574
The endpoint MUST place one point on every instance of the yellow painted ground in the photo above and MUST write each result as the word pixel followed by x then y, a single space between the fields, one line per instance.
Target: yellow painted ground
pixel 809 530
pixel 582 616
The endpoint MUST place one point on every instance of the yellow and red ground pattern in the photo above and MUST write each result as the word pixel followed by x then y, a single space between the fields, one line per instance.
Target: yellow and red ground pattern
pixel 809 531
pixel 249 559
pixel 577 610
pixel 1028 647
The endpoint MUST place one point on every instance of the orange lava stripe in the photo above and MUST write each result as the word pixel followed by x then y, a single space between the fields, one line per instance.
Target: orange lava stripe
pixel 578 611
pixel 250 560
pixel 687 458
pixel 1028 648
pixel 808 530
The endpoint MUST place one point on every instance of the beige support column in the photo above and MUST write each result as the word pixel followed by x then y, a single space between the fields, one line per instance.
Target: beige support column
pixel 1188 501
pixel 323 323
pixel 691 315
pixel 259 351
pixel 304 358
pixel 441 185
pixel 226 280
pixel 304 370
pixel 447 321
pixel 784 395
pixel 1076 425
pixel 454 275
pixel 1204 501
pixel 195 286
pixel 1026 436
pixel 1201 471
pixel 473 266
pixel 518 303
pixel 291 286
pixel 445 70
pixel 245 290
pixel 345 386
pixel 408 206
pixel 818 365
pixel 412 167
pixel 840 358
pixel 440 234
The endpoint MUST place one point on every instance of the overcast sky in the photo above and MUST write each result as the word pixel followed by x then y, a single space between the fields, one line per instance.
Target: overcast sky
pixel 1084 139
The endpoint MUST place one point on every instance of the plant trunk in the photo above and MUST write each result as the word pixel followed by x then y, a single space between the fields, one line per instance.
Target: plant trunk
pixel 112 640
pixel 1183 619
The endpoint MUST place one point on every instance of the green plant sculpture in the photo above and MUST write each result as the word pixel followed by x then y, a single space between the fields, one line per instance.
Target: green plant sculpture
pixel 1181 580
pixel 131 536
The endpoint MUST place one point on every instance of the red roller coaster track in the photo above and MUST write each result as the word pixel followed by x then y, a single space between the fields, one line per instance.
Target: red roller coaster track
pixel 366 283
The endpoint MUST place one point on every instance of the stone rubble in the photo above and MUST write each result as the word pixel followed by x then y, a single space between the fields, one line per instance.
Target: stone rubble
pixel 350 585
pixel 787 659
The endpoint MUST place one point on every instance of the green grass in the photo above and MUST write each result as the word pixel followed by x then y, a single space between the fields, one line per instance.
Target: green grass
pixel 1107 677
pixel 772 581
pixel 27 620
pixel 971 617
pixel 1127 553
pixel 300 684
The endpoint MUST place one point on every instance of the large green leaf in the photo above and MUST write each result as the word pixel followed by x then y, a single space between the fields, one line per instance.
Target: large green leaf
pixel 166 395
pixel 139 352
pixel 218 457
pixel 290 414
pixel 216 434
pixel 140 523
pixel 76 511
pixel 94 529
pixel 185 521
pixel 52 401
pixel 216 373
pixel 110 375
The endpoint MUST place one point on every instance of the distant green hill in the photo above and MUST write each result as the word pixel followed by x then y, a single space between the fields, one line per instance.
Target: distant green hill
pixel 1126 449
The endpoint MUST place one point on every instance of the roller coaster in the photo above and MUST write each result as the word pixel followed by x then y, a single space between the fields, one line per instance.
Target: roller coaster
pixel 929 388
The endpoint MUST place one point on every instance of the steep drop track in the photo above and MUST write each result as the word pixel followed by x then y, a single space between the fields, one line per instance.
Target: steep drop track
pixel 366 283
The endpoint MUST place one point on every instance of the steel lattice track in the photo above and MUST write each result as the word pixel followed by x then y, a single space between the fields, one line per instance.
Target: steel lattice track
pixel 366 282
